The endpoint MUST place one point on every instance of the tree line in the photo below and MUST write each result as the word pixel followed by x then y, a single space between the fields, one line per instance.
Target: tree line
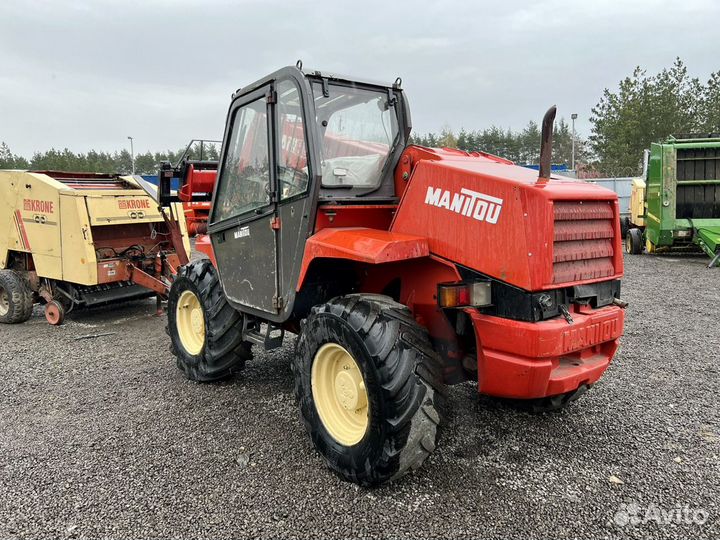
pixel 644 108
pixel 649 108
pixel 147 163
pixel 522 147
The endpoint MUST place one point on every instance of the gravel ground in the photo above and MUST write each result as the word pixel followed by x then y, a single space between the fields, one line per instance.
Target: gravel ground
pixel 103 438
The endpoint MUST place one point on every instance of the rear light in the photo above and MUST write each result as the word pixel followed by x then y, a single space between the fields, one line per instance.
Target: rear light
pixel 475 294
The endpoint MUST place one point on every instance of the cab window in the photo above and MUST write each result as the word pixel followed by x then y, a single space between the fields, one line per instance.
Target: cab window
pixel 292 162
pixel 358 128
pixel 244 184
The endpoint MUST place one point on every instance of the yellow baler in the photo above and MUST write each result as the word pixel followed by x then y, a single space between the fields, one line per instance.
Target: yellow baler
pixel 80 239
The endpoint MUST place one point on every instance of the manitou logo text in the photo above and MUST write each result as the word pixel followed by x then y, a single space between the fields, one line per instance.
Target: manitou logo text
pixel 133 204
pixel 33 205
pixel 467 203
pixel 587 336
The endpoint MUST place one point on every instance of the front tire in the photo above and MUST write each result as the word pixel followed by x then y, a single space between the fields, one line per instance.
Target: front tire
pixel 16 299
pixel 369 388
pixel 205 330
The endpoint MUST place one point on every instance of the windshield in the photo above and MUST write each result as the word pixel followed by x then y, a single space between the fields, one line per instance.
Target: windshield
pixel 358 129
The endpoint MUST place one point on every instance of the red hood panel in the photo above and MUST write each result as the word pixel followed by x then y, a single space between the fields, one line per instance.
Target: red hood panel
pixel 493 217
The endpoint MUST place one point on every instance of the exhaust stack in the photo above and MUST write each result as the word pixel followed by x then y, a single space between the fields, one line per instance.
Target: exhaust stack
pixel 546 145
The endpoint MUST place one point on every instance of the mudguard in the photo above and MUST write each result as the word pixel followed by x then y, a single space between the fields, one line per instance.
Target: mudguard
pixel 361 244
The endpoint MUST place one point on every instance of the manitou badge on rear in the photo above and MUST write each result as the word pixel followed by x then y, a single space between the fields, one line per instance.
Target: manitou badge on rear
pixel 468 203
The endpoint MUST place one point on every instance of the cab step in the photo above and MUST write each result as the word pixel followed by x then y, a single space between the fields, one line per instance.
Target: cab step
pixel 267 336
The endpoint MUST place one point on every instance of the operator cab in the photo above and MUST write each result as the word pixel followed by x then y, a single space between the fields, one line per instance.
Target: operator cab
pixel 297 145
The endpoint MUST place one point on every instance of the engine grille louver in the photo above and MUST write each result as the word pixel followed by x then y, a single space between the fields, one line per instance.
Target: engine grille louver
pixel 583 240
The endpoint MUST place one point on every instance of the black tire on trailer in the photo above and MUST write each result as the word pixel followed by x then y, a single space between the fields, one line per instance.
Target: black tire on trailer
pixel 634 242
pixel 393 362
pixel 16 299
pixel 624 226
pixel 205 330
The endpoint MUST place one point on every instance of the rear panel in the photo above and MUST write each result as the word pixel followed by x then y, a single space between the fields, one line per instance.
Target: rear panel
pixel 698 183
pixel 37 216
pixel 683 185
pixel 583 240
pixel 10 239
pixel 79 264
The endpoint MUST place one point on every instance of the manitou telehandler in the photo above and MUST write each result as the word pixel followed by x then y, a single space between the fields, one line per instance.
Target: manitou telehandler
pixel 401 269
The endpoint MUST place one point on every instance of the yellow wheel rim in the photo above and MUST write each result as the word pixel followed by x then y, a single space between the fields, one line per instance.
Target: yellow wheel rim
pixel 4 302
pixel 649 246
pixel 339 393
pixel 190 322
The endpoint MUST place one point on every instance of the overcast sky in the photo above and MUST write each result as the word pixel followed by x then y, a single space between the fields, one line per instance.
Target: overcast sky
pixel 84 75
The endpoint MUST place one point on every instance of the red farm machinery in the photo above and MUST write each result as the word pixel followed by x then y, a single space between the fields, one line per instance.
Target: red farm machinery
pixel 401 269
pixel 195 174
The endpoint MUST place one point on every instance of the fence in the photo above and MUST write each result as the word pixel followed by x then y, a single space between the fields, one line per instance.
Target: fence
pixel 621 185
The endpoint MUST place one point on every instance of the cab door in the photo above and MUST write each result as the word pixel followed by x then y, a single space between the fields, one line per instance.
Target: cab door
pixel 294 170
pixel 242 230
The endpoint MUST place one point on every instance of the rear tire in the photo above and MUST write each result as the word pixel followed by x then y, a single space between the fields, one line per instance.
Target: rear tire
pixel 400 375
pixel 205 330
pixel 16 299
pixel 634 242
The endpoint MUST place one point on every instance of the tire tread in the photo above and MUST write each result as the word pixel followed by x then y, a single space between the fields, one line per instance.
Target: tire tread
pixel 225 352
pixel 19 295
pixel 408 375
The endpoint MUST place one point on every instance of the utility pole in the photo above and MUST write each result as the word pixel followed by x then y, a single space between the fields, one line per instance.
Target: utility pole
pixel 573 116
pixel 132 154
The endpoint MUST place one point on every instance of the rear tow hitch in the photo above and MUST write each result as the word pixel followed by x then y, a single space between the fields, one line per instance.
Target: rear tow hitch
pixel 619 303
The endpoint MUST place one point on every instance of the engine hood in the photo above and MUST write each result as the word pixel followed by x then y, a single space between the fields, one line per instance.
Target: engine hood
pixel 491 216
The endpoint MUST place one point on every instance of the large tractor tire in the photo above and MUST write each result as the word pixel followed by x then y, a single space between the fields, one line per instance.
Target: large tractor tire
pixel 369 387
pixel 206 332
pixel 16 299
pixel 634 242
